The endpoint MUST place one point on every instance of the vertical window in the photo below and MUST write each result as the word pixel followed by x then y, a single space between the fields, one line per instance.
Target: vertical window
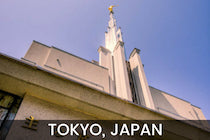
pixel 59 63
pixel 9 105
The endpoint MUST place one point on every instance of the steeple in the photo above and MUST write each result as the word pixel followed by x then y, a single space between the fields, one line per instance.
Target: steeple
pixel 113 58
pixel 113 35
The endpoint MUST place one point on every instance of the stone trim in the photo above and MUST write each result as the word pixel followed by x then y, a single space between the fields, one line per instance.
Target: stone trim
pixel 103 49
pixel 135 50
pixel 119 43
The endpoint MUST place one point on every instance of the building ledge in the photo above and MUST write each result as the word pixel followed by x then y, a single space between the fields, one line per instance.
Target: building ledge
pixel 21 78
pixel 135 50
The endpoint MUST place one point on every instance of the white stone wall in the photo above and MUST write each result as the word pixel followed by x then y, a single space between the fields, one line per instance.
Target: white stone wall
pixel 175 107
pixel 68 65
pixel 106 60
pixel 121 74
pixel 37 53
pixel 140 81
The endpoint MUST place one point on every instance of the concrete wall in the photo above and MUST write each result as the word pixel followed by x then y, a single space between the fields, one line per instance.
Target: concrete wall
pixel 68 65
pixel 42 110
pixel 101 78
pixel 50 96
pixel 37 53
pixel 25 80
pixel 175 107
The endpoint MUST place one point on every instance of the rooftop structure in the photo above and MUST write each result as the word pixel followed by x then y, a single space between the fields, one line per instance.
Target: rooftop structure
pixel 113 74
pixel 51 84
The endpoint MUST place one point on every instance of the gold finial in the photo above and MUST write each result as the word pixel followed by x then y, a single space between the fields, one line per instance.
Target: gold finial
pixel 111 8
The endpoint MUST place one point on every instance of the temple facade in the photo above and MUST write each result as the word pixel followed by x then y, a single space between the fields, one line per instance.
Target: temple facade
pixel 112 74
pixel 51 84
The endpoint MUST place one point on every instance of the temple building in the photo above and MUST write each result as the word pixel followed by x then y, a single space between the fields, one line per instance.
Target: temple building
pixel 51 84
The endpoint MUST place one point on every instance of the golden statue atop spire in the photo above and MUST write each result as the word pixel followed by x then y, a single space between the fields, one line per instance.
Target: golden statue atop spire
pixel 111 8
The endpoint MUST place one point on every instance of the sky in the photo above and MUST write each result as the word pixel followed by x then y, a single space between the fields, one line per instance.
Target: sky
pixel 173 36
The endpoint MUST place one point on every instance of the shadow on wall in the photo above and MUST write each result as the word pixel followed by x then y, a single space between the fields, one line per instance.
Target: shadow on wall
pixel 138 89
pixel 162 104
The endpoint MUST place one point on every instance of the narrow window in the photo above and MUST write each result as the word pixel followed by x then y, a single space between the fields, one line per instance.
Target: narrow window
pixel 9 105
pixel 59 63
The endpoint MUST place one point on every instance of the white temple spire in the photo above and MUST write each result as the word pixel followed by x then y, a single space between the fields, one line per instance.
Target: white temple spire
pixel 113 35
pixel 113 58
